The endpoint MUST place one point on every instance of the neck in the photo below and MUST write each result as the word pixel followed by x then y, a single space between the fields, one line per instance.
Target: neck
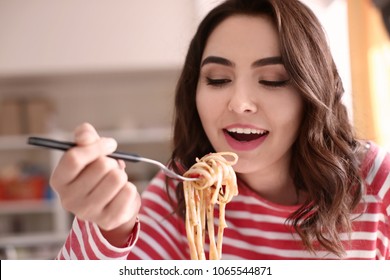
pixel 276 187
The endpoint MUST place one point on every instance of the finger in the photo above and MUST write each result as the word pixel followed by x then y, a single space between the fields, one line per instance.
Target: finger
pixel 85 134
pixel 88 180
pixel 105 191
pixel 122 208
pixel 96 173
pixel 75 160
pixel 122 164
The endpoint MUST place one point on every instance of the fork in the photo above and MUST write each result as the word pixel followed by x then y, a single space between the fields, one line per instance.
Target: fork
pixel 65 145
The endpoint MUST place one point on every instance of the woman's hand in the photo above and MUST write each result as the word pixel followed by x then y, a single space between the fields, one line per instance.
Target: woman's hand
pixel 95 187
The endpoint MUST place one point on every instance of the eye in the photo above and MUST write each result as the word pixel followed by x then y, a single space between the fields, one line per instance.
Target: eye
pixel 274 83
pixel 217 82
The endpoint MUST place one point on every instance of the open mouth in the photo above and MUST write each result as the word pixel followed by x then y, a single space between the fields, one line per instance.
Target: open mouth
pixel 246 134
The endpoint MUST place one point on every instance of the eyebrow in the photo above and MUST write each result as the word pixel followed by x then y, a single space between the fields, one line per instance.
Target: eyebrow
pixel 217 60
pixel 267 61
pixel 258 63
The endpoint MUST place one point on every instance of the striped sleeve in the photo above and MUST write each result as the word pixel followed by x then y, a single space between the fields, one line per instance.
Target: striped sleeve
pixel 85 242
pixel 378 180
pixel 162 236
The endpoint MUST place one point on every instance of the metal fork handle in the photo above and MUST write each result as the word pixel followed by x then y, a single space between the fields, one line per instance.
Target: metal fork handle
pixel 137 158
pixel 65 145
pixel 170 173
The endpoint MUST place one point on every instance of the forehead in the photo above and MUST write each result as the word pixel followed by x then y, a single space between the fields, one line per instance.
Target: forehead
pixel 240 34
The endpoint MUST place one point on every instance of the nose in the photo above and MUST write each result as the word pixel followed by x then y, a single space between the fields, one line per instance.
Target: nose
pixel 242 101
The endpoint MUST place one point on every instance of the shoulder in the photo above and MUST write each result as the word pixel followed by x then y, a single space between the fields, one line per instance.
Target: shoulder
pixel 376 172
pixel 376 164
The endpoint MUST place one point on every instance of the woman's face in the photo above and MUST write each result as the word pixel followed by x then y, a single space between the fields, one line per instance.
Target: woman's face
pixel 244 99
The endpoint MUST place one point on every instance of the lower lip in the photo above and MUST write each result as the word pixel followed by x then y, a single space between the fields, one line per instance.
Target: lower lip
pixel 244 146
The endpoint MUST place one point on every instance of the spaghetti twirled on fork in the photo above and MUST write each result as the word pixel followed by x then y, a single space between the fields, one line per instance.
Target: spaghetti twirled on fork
pixel 217 184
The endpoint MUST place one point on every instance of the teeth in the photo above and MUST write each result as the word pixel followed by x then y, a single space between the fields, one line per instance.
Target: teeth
pixel 246 130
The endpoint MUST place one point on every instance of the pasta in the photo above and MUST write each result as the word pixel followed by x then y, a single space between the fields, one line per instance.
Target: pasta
pixel 217 184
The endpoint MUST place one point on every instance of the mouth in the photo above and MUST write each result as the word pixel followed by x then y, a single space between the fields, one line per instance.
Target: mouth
pixel 246 134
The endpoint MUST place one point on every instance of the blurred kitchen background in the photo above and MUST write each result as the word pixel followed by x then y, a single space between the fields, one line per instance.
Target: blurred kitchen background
pixel 115 64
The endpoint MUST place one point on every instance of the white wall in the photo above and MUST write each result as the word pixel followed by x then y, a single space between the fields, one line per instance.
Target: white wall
pixel 46 35
pixel 64 36
pixel 72 36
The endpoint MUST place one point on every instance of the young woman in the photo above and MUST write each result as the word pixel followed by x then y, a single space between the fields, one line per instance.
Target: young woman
pixel 259 80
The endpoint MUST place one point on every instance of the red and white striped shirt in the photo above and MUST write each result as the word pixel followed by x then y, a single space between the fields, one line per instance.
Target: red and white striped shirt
pixel 256 229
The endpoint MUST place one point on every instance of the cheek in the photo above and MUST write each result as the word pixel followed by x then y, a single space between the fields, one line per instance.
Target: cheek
pixel 291 116
pixel 286 113
pixel 207 106
pixel 203 111
pixel 201 106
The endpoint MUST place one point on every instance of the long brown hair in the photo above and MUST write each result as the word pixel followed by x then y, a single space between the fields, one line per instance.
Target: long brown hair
pixel 325 163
